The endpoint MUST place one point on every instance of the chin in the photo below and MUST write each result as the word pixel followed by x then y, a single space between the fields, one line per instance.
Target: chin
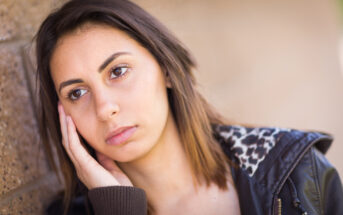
pixel 131 152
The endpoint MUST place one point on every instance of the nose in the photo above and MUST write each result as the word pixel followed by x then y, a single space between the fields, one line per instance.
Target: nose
pixel 105 105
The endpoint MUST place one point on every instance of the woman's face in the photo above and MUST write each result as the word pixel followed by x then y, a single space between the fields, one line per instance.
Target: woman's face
pixel 113 89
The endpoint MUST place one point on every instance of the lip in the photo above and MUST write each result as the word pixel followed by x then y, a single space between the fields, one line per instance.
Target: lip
pixel 120 135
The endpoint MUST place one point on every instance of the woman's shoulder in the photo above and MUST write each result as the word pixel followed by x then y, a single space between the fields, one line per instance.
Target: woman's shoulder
pixel 258 149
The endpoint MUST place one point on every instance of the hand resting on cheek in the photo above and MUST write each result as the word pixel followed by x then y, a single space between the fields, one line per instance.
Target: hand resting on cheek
pixel 91 172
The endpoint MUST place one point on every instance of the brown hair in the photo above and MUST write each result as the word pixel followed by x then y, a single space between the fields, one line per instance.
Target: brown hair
pixel 193 115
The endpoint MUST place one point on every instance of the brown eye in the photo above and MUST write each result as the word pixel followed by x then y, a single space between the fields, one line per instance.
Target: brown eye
pixel 75 94
pixel 117 72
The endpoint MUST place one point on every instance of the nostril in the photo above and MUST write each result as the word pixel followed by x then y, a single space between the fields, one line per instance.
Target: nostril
pixel 105 105
pixel 106 112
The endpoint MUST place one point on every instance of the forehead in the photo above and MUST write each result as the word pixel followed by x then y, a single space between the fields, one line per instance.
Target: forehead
pixel 88 46
pixel 96 37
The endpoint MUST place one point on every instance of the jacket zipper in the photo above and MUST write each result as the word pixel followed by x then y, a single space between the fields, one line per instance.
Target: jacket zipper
pixel 279 206
pixel 291 170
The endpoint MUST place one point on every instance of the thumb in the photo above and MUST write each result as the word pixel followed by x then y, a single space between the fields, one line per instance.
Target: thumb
pixel 107 162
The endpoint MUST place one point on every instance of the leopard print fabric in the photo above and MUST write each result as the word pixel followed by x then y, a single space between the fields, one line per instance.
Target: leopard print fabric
pixel 250 145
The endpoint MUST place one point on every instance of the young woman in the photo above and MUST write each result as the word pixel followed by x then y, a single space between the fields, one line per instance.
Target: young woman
pixel 120 105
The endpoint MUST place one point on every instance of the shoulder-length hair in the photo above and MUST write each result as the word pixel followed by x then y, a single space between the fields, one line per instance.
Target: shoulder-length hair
pixel 193 115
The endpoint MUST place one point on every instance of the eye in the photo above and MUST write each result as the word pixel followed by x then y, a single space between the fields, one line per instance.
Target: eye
pixel 117 72
pixel 76 94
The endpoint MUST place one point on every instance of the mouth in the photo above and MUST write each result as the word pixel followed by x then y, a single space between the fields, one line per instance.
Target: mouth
pixel 120 135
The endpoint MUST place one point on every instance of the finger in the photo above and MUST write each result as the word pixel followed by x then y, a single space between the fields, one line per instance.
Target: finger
pixel 111 166
pixel 79 153
pixel 62 120
pixel 64 131
pixel 107 162
pixel 88 170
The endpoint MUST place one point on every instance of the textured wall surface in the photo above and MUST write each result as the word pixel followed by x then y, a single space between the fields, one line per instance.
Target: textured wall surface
pixel 26 180
pixel 262 62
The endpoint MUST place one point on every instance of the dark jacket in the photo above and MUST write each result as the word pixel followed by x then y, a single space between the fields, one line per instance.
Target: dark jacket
pixel 282 171
pixel 276 172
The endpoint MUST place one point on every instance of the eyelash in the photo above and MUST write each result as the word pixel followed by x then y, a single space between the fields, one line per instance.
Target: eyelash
pixel 121 66
pixel 69 95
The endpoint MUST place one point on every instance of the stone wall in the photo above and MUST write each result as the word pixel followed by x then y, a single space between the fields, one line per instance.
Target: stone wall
pixel 27 182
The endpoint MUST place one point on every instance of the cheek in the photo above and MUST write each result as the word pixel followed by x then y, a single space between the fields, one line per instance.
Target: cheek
pixel 150 101
pixel 85 125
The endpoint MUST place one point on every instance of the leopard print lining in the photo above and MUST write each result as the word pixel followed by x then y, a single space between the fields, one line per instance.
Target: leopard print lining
pixel 250 145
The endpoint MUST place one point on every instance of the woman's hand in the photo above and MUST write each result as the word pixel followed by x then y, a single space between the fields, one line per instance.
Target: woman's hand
pixel 90 172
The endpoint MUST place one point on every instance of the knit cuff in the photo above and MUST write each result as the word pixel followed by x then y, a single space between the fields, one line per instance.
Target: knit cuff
pixel 118 200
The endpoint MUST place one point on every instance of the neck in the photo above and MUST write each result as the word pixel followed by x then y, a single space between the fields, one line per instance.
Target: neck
pixel 164 172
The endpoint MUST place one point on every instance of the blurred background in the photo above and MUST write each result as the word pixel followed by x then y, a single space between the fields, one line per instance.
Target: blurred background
pixel 262 62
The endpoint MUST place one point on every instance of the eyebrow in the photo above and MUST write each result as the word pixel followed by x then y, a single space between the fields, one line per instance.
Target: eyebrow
pixel 69 82
pixel 101 68
pixel 110 59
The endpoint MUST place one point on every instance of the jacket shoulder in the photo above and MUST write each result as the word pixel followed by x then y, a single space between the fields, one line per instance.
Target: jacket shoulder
pixel 317 184
pixel 250 147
